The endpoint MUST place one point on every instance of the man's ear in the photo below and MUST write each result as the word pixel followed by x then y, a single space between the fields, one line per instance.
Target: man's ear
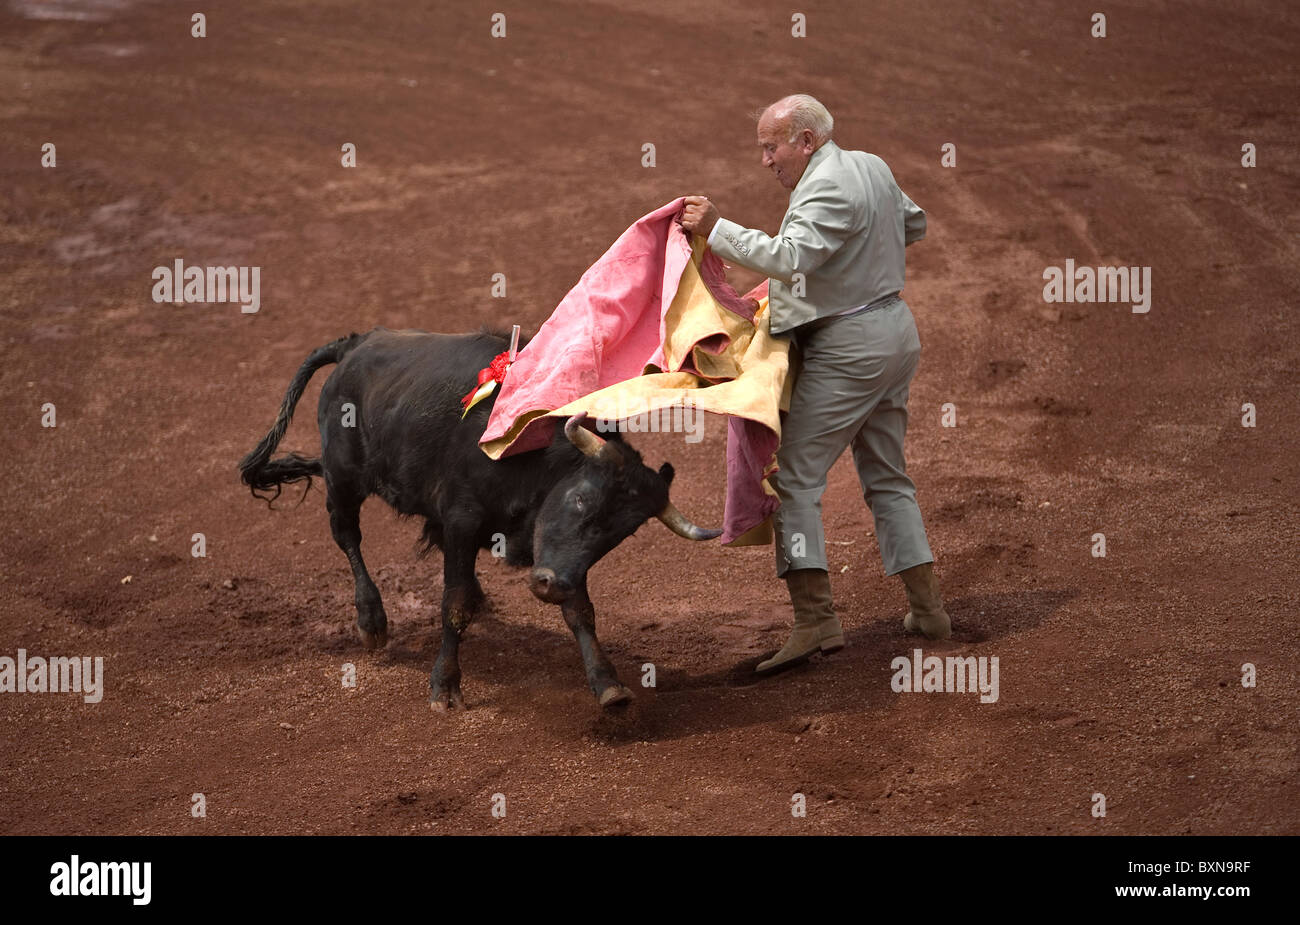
pixel 666 473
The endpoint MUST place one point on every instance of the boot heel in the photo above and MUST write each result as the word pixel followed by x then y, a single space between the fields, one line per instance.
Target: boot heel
pixel 832 644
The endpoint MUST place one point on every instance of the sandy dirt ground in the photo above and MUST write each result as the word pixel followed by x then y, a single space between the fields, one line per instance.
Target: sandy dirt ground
pixel 1119 675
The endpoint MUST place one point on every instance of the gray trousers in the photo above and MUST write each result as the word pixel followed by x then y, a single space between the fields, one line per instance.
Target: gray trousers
pixel 851 391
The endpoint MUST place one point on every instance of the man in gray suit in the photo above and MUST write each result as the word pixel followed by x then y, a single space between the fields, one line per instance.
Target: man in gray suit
pixel 836 271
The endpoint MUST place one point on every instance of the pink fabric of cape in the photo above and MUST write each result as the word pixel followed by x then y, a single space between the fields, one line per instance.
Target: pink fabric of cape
pixel 608 328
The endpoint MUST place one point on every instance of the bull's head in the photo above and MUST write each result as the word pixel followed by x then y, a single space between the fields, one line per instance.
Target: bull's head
pixel 594 509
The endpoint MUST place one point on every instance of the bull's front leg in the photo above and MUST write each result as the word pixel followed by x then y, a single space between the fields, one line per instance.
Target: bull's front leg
pixel 462 598
pixel 581 617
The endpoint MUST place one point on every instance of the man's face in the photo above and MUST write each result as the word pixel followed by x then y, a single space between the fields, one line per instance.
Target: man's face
pixel 787 159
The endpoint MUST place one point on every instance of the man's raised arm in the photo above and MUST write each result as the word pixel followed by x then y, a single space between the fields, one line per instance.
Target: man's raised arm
pixel 819 223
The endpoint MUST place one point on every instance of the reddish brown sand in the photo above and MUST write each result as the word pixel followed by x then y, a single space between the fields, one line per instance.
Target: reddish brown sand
pixel 1118 675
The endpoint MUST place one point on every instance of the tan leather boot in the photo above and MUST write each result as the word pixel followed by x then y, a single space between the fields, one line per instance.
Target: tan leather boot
pixel 816 628
pixel 926 614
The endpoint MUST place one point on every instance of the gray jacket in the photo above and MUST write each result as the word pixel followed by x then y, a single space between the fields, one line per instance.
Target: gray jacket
pixel 841 242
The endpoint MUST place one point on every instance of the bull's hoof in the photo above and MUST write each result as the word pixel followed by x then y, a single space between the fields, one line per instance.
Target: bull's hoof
pixel 614 695
pixel 446 699
pixel 373 640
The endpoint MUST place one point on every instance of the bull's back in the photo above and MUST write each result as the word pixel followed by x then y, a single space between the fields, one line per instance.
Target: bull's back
pixel 397 368
pixel 408 435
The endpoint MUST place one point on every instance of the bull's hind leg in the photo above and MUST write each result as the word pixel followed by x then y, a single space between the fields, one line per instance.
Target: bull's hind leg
pixel 581 617
pixel 345 523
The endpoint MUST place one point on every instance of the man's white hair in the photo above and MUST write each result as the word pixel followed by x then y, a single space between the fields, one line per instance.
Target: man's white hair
pixel 800 111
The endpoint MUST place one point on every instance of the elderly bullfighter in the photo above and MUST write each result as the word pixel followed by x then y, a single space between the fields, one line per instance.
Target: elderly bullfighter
pixel 836 269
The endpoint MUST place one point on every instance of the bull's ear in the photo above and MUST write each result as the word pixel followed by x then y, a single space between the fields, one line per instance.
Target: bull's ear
pixel 666 473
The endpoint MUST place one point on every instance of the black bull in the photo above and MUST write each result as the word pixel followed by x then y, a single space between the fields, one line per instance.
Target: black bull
pixel 390 425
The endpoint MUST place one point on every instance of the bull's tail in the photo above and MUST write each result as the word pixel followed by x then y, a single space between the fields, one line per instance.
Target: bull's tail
pixel 258 470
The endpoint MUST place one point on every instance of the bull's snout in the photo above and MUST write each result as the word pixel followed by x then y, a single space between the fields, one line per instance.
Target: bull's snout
pixel 549 587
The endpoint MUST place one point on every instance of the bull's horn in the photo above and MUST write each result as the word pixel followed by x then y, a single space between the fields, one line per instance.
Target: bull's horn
pixel 676 521
pixel 583 439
